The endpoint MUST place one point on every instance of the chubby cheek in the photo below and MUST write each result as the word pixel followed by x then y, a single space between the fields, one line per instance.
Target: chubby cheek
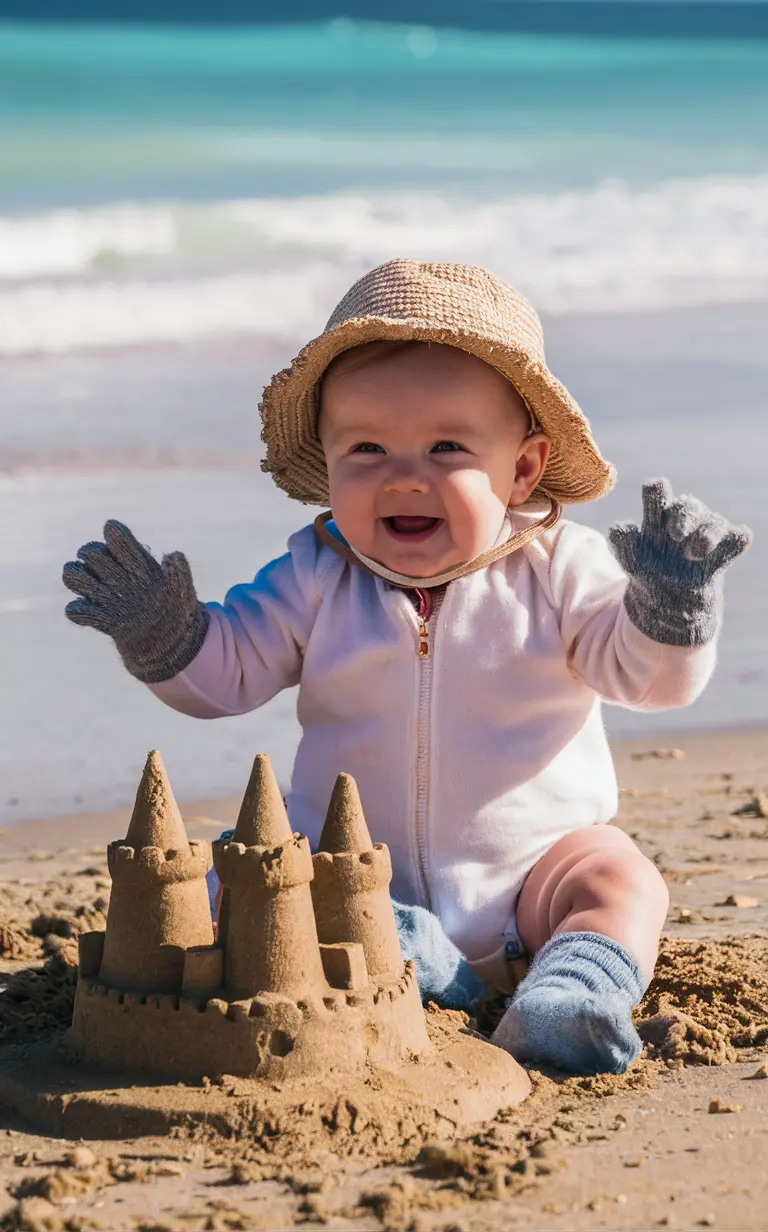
pixel 475 514
pixel 352 503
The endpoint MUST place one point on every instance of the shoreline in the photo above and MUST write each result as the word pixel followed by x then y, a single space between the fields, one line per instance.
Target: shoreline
pixel 637 760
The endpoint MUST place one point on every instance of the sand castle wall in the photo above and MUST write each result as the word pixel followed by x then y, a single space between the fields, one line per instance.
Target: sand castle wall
pixel 268 1036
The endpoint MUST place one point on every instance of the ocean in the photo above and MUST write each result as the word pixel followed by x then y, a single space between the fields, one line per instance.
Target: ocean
pixel 180 208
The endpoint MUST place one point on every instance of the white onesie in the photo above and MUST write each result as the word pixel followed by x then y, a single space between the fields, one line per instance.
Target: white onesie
pixel 471 761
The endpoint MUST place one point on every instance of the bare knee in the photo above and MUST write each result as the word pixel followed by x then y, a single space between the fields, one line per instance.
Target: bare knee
pixel 619 894
pixel 610 878
pixel 595 880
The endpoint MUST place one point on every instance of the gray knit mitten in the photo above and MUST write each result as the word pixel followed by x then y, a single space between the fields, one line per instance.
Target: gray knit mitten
pixel 150 609
pixel 674 561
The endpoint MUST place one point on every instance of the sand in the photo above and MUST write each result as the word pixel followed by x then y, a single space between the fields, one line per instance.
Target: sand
pixel 679 1141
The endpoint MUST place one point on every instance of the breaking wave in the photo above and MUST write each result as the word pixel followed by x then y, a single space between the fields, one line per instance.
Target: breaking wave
pixel 133 273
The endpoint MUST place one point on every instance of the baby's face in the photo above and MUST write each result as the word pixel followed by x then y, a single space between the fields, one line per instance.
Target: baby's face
pixel 425 450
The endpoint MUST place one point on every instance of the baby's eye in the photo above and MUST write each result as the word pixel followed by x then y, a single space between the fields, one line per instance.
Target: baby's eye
pixel 447 447
pixel 367 447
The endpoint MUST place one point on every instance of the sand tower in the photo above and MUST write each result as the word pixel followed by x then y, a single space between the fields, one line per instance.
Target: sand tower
pixel 350 890
pixel 159 903
pixel 267 926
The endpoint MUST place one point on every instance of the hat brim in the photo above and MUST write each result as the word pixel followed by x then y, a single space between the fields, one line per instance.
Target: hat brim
pixel 576 471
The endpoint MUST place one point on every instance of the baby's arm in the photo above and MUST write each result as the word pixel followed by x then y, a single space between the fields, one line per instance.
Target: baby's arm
pixel 642 630
pixel 204 660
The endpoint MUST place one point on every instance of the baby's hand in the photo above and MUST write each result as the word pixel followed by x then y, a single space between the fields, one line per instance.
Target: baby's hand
pixel 149 608
pixel 673 561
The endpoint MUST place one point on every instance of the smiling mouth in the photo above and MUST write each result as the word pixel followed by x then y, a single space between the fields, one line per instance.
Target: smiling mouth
pixel 411 528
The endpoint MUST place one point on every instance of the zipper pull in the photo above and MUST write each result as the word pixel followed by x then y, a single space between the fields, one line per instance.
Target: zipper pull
pixel 423 641
pixel 424 613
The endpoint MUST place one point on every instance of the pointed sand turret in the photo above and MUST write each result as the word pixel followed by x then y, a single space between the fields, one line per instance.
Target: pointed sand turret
pixel 350 890
pixel 345 826
pixel 266 925
pixel 159 903
pixel 262 820
pixel 156 820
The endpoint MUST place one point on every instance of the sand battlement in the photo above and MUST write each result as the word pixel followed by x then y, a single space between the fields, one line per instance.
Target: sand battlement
pixel 264 1005
pixel 240 865
pixel 354 871
pixel 158 864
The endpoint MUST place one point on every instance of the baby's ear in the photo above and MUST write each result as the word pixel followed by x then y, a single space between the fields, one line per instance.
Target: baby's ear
pixel 531 464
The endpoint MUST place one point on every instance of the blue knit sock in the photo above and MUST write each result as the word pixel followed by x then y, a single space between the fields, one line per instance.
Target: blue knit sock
pixel 442 972
pixel 573 1007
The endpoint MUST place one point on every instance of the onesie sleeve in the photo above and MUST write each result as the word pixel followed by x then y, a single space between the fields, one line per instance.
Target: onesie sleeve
pixel 603 647
pixel 255 642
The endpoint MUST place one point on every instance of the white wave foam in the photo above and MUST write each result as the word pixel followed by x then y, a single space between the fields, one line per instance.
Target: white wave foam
pixel 277 266
pixel 69 241
pixel 46 318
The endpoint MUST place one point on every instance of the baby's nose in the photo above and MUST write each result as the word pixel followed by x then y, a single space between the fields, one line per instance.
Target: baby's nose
pixel 406 479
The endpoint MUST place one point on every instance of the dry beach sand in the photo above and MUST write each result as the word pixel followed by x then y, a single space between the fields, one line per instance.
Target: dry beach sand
pixel 679 1141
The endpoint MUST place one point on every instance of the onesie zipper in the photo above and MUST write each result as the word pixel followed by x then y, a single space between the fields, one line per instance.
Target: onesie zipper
pixel 424 612
pixel 428 608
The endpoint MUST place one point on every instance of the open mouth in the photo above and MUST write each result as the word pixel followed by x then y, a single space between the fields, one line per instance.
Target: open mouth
pixel 412 527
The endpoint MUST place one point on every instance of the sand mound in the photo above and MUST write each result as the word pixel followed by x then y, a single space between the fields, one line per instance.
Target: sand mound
pixel 43 922
pixel 707 1000
pixel 38 1001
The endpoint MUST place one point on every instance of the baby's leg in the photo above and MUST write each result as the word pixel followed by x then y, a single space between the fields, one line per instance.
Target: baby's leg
pixel 595 880
pixel 591 913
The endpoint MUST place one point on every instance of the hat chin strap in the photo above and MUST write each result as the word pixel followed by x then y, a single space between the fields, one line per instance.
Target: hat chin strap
pixel 512 544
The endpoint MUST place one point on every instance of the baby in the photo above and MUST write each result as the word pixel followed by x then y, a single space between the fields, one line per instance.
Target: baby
pixel 452 638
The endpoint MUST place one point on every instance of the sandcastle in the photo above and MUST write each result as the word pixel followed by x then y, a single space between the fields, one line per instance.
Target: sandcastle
pixel 301 993
pixel 306 969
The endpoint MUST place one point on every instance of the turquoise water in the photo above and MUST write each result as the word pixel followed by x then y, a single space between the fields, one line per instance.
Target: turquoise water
pixel 89 113
pixel 161 184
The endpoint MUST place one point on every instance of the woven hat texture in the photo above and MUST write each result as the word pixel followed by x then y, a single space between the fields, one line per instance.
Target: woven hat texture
pixel 462 306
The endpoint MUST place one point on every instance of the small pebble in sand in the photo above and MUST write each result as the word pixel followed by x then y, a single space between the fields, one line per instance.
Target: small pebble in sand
pixel 80 1157
pixel 717 1105
pixel 762 1071
pixel 757 807
pixel 739 900
pixel 683 915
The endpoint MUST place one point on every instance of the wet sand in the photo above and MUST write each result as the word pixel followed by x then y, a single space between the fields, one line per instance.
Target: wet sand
pixel 680 1141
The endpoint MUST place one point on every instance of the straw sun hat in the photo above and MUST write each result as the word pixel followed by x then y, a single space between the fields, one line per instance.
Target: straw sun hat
pixel 457 305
